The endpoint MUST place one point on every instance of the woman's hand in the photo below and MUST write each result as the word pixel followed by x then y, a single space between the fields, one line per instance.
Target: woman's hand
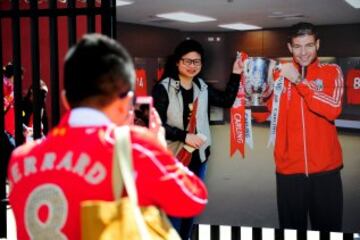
pixel 238 66
pixel 194 140
pixel 289 71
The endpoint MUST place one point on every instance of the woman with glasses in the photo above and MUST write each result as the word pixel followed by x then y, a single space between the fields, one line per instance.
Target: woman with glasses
pixel 182 100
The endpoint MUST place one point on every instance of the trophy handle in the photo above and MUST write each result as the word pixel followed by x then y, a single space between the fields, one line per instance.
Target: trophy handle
pixel 277 66
pixel 247 67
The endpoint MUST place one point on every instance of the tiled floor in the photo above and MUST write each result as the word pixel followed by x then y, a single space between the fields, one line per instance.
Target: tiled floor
pixel 204 232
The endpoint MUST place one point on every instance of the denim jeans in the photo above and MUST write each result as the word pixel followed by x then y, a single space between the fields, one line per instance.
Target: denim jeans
pixel 184 225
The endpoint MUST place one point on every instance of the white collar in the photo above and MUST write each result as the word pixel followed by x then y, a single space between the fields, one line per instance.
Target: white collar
pixel 83 116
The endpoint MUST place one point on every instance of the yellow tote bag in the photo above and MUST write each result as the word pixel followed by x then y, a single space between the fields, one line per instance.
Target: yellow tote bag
pixel 123 218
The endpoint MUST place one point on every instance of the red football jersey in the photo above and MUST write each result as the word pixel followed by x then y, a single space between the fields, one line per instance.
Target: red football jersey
pixel 353 86
pixel 141 82
pixel 159 73
pixel 10 120
pixel 8 91
pixel 50 178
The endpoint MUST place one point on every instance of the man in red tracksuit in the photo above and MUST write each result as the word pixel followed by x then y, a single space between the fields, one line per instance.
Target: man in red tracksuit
pixel 307 152
pixel 50 178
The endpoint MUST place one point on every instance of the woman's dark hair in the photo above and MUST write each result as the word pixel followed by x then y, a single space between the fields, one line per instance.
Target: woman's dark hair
pixel 186 46
pixel 8 70
pixel 301 29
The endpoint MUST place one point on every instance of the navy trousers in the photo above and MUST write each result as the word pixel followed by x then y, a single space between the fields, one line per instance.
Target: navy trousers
pixel 318 196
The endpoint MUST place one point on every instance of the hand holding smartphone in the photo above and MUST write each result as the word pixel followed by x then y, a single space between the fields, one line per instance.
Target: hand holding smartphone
pixel 142 111
pixel 145 115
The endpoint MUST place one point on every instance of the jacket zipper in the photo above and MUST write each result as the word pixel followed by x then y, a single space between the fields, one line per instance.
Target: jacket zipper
pixel 304 137
pixel 304 127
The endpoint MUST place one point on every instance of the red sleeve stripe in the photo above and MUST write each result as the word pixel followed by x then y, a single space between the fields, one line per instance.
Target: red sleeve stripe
pixel 170 175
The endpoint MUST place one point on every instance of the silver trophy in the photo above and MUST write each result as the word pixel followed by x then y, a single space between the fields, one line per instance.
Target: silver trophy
pixel 258 83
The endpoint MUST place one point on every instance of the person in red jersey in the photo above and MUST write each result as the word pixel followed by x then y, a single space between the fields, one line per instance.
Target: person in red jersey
pixel 49 178
pixel 8 91
pixel 307 151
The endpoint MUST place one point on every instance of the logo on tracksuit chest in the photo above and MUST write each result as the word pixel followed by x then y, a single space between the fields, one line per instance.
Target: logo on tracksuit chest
pixel 319 85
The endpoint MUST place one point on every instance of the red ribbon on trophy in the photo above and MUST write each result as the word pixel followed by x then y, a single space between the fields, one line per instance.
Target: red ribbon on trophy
pixel 237 117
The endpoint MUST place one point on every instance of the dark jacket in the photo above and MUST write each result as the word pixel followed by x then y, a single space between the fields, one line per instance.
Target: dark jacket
pixel 217 98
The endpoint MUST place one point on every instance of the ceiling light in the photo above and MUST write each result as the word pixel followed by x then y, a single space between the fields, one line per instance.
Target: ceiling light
pixel 284 16
pixel 122 3
pixel 277 13
pixel 186 17
pixel 354 3
pixel 240 26
pixel 288 17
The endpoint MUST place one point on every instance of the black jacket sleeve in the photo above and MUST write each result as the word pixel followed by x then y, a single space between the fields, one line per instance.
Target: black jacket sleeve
pixel 225 98
pixel 161 103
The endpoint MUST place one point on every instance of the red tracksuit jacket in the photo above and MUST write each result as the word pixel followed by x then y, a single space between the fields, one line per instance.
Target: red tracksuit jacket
pixel 306 136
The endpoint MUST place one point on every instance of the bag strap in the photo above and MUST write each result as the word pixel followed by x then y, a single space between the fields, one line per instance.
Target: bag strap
pixel 192 122
pixel 123 155
pixel 123 160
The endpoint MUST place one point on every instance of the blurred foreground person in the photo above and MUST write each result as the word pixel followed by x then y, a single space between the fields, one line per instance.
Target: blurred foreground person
pixel 49 178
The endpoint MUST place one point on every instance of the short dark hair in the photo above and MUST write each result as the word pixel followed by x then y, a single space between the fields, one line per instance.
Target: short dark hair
pixel 97 67
pixel 301 29
pixel 184 47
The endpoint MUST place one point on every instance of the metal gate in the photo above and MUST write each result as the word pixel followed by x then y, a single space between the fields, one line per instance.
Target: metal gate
pixel 52 10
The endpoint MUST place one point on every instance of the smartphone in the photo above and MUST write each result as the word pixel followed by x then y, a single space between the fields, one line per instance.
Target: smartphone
pixel 142 109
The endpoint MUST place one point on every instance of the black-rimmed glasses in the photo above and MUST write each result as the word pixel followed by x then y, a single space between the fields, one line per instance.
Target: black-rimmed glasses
pixel 187 62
